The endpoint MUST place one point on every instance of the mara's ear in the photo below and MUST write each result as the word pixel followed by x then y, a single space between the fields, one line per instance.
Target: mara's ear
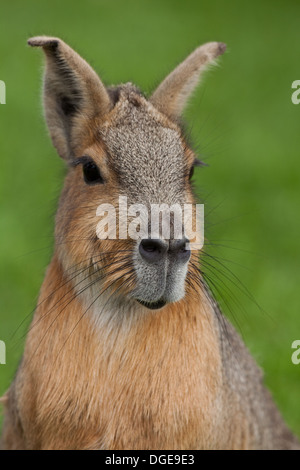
pixel 73 94
pixel 172 94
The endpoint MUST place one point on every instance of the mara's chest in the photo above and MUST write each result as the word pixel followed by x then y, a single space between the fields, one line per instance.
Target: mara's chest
pixel 154 386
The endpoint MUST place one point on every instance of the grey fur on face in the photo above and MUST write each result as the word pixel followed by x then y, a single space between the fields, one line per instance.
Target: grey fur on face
pixel 149 160
pixel 147 156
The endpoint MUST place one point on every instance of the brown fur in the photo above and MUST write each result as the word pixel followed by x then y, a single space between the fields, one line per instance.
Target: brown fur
pixel 103 371
pixel 148 380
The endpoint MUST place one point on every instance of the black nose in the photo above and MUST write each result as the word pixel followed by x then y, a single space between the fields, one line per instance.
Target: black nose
pixel 153 250
pixel 180 250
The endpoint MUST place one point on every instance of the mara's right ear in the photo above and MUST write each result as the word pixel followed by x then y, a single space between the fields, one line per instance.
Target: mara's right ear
pixel 73 94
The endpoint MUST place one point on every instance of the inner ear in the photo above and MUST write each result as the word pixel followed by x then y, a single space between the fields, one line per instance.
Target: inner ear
pixel 72 90
pixel 68 105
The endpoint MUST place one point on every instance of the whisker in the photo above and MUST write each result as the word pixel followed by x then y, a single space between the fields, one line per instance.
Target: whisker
pixel 91 304
pixel 128 264
pixel 239 284
pixel 232 296
pixel 61 286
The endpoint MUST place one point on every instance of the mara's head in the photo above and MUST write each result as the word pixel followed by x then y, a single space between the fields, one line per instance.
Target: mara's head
pixel 121 226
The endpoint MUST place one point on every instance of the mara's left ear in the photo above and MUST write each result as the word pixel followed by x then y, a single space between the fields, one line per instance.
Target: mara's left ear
pixel 73 94
pixel 172 94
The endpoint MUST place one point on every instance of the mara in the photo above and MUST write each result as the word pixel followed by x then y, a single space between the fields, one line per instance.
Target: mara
pixel 160 367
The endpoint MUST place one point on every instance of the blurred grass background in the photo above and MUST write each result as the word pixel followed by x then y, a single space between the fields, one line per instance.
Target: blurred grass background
pixel 244 126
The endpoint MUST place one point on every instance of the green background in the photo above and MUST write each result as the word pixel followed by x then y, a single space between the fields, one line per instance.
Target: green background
pixel 242 122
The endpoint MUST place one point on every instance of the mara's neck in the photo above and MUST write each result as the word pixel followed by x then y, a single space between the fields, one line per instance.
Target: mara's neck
pixel 69 299
pixel 136 362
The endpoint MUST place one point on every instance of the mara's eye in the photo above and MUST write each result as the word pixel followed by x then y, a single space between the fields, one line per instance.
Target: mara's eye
pixel 91 173
pixel 191 172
